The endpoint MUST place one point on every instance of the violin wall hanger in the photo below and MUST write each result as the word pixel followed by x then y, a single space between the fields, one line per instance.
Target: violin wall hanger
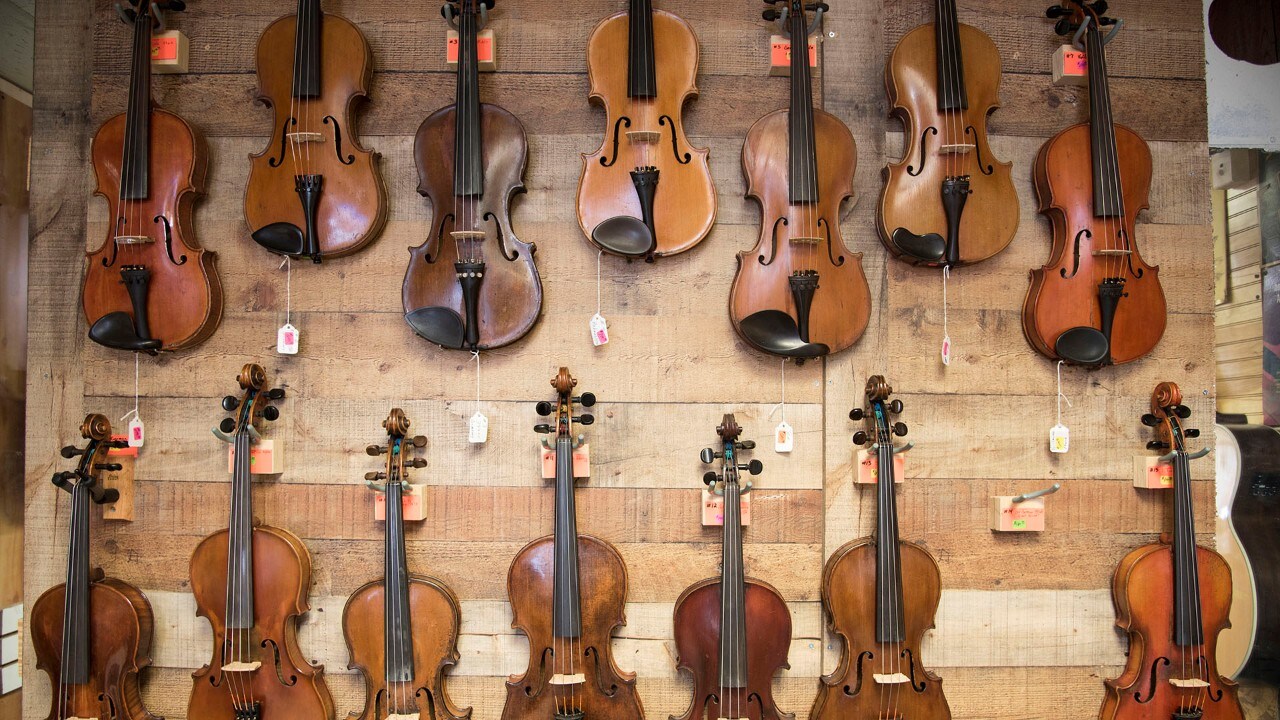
pixel 129 15
pixel 780 16
pixel 1065 27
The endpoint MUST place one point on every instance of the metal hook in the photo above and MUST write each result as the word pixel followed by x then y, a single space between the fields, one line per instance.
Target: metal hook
pixel 158 14
pixel 744 487
pixel 1190 456
pixel 1075 39
pixel 1111 35
pixel 450 16
pixel 782 22
pixel 899 449
pixel 484 17
pixel 124 14
pixel 217 432
pixel 817 21
pixel 1039 493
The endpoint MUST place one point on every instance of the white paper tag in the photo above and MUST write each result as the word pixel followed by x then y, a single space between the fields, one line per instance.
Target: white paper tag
pixel 478 428
pixel 137 432
pixel 946 350
pixel 599 330
pixel 1059 438
pixel 287 340
pixel 783 438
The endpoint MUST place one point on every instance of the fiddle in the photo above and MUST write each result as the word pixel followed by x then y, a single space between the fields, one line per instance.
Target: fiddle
pixel 149 286
pixel 251 583
pixel 313 191
pixel 472 284
pixel 619 206
pixel 799 292
pixel 881 594
pixel 92 634
pixel 948 201
pixel 732 668
pixel 568 594
pixel 1096 302
pixel 1172 599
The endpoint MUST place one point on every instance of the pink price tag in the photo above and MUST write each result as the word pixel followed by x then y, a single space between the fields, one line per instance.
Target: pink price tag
pixel 599 330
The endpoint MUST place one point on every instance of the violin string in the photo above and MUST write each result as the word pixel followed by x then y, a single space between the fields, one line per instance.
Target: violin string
pixel 289 142
pixel 63 684
pixel 1181 561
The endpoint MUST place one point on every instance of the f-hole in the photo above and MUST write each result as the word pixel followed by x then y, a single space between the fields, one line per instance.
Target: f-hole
pixel 911 169
pixel 284 138
pixel 168 240
pixel 1123 236
pixel 337 140
pixel 1204 670
pixel 1075 254
pixel 594 655
pixel 115 246
pixel 502 239
pixel 1151 691
pixel 439 238
pixel 977 147
pixel 111 705
pixel 773 252
pixel 911 665
pixel 826 227
pixel 864 655
pixel 542 672
pixel 684 159
pixel 623 122
pixel 275 653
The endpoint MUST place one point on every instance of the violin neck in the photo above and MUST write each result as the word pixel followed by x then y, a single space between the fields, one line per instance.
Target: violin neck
pixel 566 598
pixel 642 78
pixel 803 179
pixel 1188 628
pixel 75 619
pixel 397 638
pixel 468 164
pixel 733 586
pixel 951 88
pixel 240 538
pixel 306 50
pixel 135 165
pixel 1108 197
pixel 889 624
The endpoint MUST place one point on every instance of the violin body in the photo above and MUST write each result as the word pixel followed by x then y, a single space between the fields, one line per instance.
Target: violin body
pixel 607 692
pixel 911 197
pixel 286 685
pixel 697 633
pixel 1064 293
pixel 119 648
pixel 684 204
pixel 1142 590
pixel 848 594
pixel 185 294
pixel 352 205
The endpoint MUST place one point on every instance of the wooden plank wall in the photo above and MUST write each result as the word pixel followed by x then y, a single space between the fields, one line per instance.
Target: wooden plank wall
pixel 1239 320
pixel 1025 629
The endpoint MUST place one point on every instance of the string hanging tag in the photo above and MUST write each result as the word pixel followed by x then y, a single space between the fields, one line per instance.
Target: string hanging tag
pixel 287 337
pixel 1059 435
pixel 478 425
pixel 946 337
pixel 599 326
pixel 784 438
pixel 137 431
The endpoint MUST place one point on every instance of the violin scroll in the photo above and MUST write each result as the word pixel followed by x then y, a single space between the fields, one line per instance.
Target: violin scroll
pixel 729 432
pixel 1167 412
pixel 252 406
pixel 96 428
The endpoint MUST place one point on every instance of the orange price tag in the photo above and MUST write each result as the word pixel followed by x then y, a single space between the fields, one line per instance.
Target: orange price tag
pixel 869 467
pixel 581 462
pixel 780 54
pixel 713 508
pixel 410 500
pixel 164 48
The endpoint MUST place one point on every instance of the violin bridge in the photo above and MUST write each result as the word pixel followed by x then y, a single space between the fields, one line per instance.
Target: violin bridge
pixel 575 679
pixel 643 136
pixel 804 240
pixel 133 240
pixel 305 137
pixel 957 149
pixel 891 679
pixel 243 667
pixel 73 717
pixel 1112 251
pixel 1188 683
pixel 467 235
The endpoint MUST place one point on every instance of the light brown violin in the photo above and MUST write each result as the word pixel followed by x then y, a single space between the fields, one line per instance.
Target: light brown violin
pixel 621 207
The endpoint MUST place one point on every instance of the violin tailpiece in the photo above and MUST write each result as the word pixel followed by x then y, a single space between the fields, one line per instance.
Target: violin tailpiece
pixel 804 283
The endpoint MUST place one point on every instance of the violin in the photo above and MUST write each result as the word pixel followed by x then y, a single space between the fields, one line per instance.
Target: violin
pixel 1096 303
pixel 732 668
pixel 149 286
pixel 1172 599
pixel 619 206
pixel 313 191
pixel 799 292
pixel 881 594
pixel 251 583
pixel 402 630
pixel 568 594
pixel 472 284
pixel 943 81
pixel 92 634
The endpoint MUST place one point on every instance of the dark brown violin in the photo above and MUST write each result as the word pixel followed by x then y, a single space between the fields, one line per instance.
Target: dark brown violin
pixel 948 201
pixel 1096 302
pixel 732 667
pixel 402 630
pixel 881 594
pixel 313 191
pixel 150 286
pixel 620 207
pixel 568 594
pixel 472 284
pixel 92 634
pixel 1172 599
pixel 799 292
pixel 251 583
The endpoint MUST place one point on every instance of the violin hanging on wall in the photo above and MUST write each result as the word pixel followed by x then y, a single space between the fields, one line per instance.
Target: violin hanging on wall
pixel 472 284
pixel 568 594
pixel 732 632
pixel 1172 599
pixel 313 191
pixel 881 594
pixel 402 630
pixel 150 286
pixel 92 634
pixel 948 202
pixel 799 292
pixel 622 206
pixel 1096 302
pixel 251 583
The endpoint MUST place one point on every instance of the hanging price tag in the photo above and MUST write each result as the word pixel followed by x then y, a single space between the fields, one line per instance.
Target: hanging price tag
pixel 946 350
pixel 137 432
pixel 1059 438
pixel 599 330
pixel 287 340
pixel 783 438
pixel 478 428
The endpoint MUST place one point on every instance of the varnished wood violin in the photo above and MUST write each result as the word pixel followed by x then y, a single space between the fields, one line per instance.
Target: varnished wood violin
pixel 732 632
pixel 402 630
pixel 150 286
pixel 92 634
pixel 568 594
pixel 251 583
pixel 313 191
pixel 799 292
pixel 1096 302
pixel 472 284
pixel 646 192
pixel 881 594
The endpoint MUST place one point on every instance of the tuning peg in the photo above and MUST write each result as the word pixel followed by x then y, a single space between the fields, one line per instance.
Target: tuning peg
pixel 542 428
pixel 586 399
pixel 374 450
pixel 745 445
pixel 275 394
pixel 1191 433
pixel 860 437
pixel 755 467
pixel 417 462
pixel 895 406
pixel 63 479
pixel 371 476
pixel 419 441
pixel 173 5
pixel 773 2
pixel 710 478
pixel 1182 411
pixel 814 7
pixel 1065 27
pixel 271 413
pixel 707 455
pixel 543 408
pixel 899 429
pixel 1056 11
pixel 770 14
pixel 118 444
pixel 487 3
pixel 856 414
pixel 107 467
pixel 71 451
pixel 1101 7
pixel 1157 445
pixel 230 403
pixel 1150 420
pixel 585 419
pixel 227 425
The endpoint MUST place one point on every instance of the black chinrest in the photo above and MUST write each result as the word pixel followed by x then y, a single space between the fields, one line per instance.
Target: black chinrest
pixel 626 236
pixel 929 248
pixel 283 238
pixel 776 332
pixel 115 330
pixel 1083 346
pixel 439 325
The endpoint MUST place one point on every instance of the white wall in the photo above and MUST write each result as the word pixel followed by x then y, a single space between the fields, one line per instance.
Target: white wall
pixel 1244 99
